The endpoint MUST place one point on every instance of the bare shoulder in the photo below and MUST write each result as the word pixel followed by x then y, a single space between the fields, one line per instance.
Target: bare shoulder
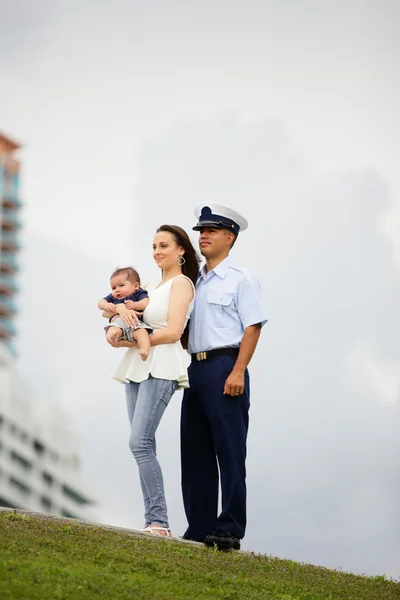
pixel 183 285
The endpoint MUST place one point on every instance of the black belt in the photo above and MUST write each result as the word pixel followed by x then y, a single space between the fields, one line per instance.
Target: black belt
pixel 213 353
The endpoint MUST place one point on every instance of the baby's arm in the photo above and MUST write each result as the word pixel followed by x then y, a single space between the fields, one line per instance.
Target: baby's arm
pixel 140 305
pixel 109 307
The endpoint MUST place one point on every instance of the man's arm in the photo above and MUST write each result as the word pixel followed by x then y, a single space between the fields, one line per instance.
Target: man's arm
pixel 235 381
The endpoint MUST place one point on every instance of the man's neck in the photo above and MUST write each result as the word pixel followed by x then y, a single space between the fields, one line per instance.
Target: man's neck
pixel 211 263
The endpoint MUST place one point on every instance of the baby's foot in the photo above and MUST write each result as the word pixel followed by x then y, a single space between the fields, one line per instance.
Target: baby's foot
pixel 143 354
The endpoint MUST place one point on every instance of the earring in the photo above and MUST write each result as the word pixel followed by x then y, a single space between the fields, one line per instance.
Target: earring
pixel 181 260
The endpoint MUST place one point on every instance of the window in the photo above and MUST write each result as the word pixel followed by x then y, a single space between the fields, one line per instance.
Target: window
pixel 19 485
pixel 75 496
pixel 47 478
pixel 38 447
pixel 20 460
pixel 4 502
pixel 46 503
pixel 66 513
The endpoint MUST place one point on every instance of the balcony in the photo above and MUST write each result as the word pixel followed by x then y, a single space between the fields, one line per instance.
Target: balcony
pixel 10 189
pixel 8 285
pixel 9 219
pixel 11 201
pixel 7 305
pixel 9 241
pixel 7 327
pixel 8 263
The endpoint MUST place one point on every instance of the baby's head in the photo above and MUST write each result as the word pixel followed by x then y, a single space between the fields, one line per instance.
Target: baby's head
pixel 124 282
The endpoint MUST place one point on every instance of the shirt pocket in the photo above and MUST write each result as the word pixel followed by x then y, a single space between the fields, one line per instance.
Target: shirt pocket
pixel 220 307
pixel 222 299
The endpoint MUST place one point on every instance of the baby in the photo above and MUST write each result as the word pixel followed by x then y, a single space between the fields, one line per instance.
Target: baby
pixel 126 296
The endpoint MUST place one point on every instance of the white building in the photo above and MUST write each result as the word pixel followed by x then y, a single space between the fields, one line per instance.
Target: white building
pixel 39 464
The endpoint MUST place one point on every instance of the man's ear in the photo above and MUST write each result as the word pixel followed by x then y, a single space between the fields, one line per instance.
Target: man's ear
pixel 229 236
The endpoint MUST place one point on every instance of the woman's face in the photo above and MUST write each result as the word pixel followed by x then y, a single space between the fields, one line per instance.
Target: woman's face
pixel 166 251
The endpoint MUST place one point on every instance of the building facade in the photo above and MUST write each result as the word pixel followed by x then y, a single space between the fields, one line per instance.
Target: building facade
pixel 39 463
pixel 9 243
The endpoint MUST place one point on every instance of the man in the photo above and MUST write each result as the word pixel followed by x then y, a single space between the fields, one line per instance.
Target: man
pixel 224 330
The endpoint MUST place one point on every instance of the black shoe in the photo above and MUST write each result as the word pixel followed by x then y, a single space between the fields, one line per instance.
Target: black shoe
pixel 223 540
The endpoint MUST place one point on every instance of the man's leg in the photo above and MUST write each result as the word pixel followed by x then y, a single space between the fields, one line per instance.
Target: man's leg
pixel 199 463
pixel 228 417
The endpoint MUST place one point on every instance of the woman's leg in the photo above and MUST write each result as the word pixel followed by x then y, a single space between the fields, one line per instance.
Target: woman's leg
pixel 131 390
pixel 152 399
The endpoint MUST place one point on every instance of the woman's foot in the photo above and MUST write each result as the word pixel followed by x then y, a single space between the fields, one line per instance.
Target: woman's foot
pixel 157 530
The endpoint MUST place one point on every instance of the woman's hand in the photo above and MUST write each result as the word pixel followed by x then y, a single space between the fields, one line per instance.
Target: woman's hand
pixel 129 317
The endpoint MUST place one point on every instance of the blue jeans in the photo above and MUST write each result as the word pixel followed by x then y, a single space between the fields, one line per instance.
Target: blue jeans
pixel 146 403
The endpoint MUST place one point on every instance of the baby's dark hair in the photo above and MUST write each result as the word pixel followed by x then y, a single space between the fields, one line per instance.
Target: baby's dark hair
pixel 129 273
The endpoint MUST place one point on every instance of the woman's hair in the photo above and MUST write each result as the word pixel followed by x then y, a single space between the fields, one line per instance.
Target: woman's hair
pixel 191 266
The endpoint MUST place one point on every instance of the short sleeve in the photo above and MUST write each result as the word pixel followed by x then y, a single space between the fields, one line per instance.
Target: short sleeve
pixel 109 298
pixel 249 303
pixel 141 294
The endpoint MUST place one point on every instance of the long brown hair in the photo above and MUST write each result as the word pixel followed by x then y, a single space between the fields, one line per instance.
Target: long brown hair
pixel 192 260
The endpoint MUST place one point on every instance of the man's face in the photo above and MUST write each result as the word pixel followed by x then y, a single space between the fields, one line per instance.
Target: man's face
pixel 214 242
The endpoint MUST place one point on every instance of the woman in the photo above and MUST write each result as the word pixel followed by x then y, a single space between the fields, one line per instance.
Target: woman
pixel 150 384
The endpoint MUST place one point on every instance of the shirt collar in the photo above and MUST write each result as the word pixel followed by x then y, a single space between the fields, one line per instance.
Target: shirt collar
pixel 221 269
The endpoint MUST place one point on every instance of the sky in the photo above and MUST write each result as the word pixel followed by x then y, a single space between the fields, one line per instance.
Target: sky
pixel 132 114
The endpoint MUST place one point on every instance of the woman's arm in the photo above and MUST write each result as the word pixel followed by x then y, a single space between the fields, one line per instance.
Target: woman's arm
pixel 179 300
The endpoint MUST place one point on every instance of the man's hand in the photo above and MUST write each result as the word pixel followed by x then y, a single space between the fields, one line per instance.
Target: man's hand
pixel 234 385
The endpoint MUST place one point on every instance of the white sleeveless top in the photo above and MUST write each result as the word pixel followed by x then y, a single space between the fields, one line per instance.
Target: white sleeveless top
pixel 165 361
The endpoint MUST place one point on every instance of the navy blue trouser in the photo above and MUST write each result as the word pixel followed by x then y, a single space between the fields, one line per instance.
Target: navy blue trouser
pixel 213 435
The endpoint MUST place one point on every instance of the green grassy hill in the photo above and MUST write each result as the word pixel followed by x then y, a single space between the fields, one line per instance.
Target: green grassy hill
pixel 47 558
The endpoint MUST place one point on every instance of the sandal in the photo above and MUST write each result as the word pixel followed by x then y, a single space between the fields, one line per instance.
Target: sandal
pixel 153 530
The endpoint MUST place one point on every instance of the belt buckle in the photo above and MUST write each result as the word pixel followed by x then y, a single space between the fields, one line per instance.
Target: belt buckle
pixel 201 355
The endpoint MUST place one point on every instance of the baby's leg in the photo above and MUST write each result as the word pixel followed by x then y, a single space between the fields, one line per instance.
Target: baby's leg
pixel 143 341
pixel 114 334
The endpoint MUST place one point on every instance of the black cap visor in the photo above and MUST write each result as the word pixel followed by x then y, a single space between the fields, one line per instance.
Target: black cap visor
pixel 211 225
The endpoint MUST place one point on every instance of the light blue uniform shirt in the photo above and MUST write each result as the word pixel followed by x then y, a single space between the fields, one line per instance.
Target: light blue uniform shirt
pixel 228 299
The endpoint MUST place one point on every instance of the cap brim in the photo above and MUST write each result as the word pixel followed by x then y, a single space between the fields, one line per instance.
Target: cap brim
pixel 213 224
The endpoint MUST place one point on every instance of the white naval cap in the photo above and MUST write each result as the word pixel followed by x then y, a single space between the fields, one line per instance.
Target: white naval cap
pixel 219 216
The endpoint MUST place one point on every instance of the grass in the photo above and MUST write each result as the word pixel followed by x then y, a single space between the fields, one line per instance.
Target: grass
pixel 44 558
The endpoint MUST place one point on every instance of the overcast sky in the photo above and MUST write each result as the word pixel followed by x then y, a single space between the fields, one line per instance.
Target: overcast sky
pixel 130 115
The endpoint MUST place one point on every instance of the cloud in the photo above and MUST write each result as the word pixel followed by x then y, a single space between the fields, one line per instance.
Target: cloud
pixel 382 378
pixel 323 450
